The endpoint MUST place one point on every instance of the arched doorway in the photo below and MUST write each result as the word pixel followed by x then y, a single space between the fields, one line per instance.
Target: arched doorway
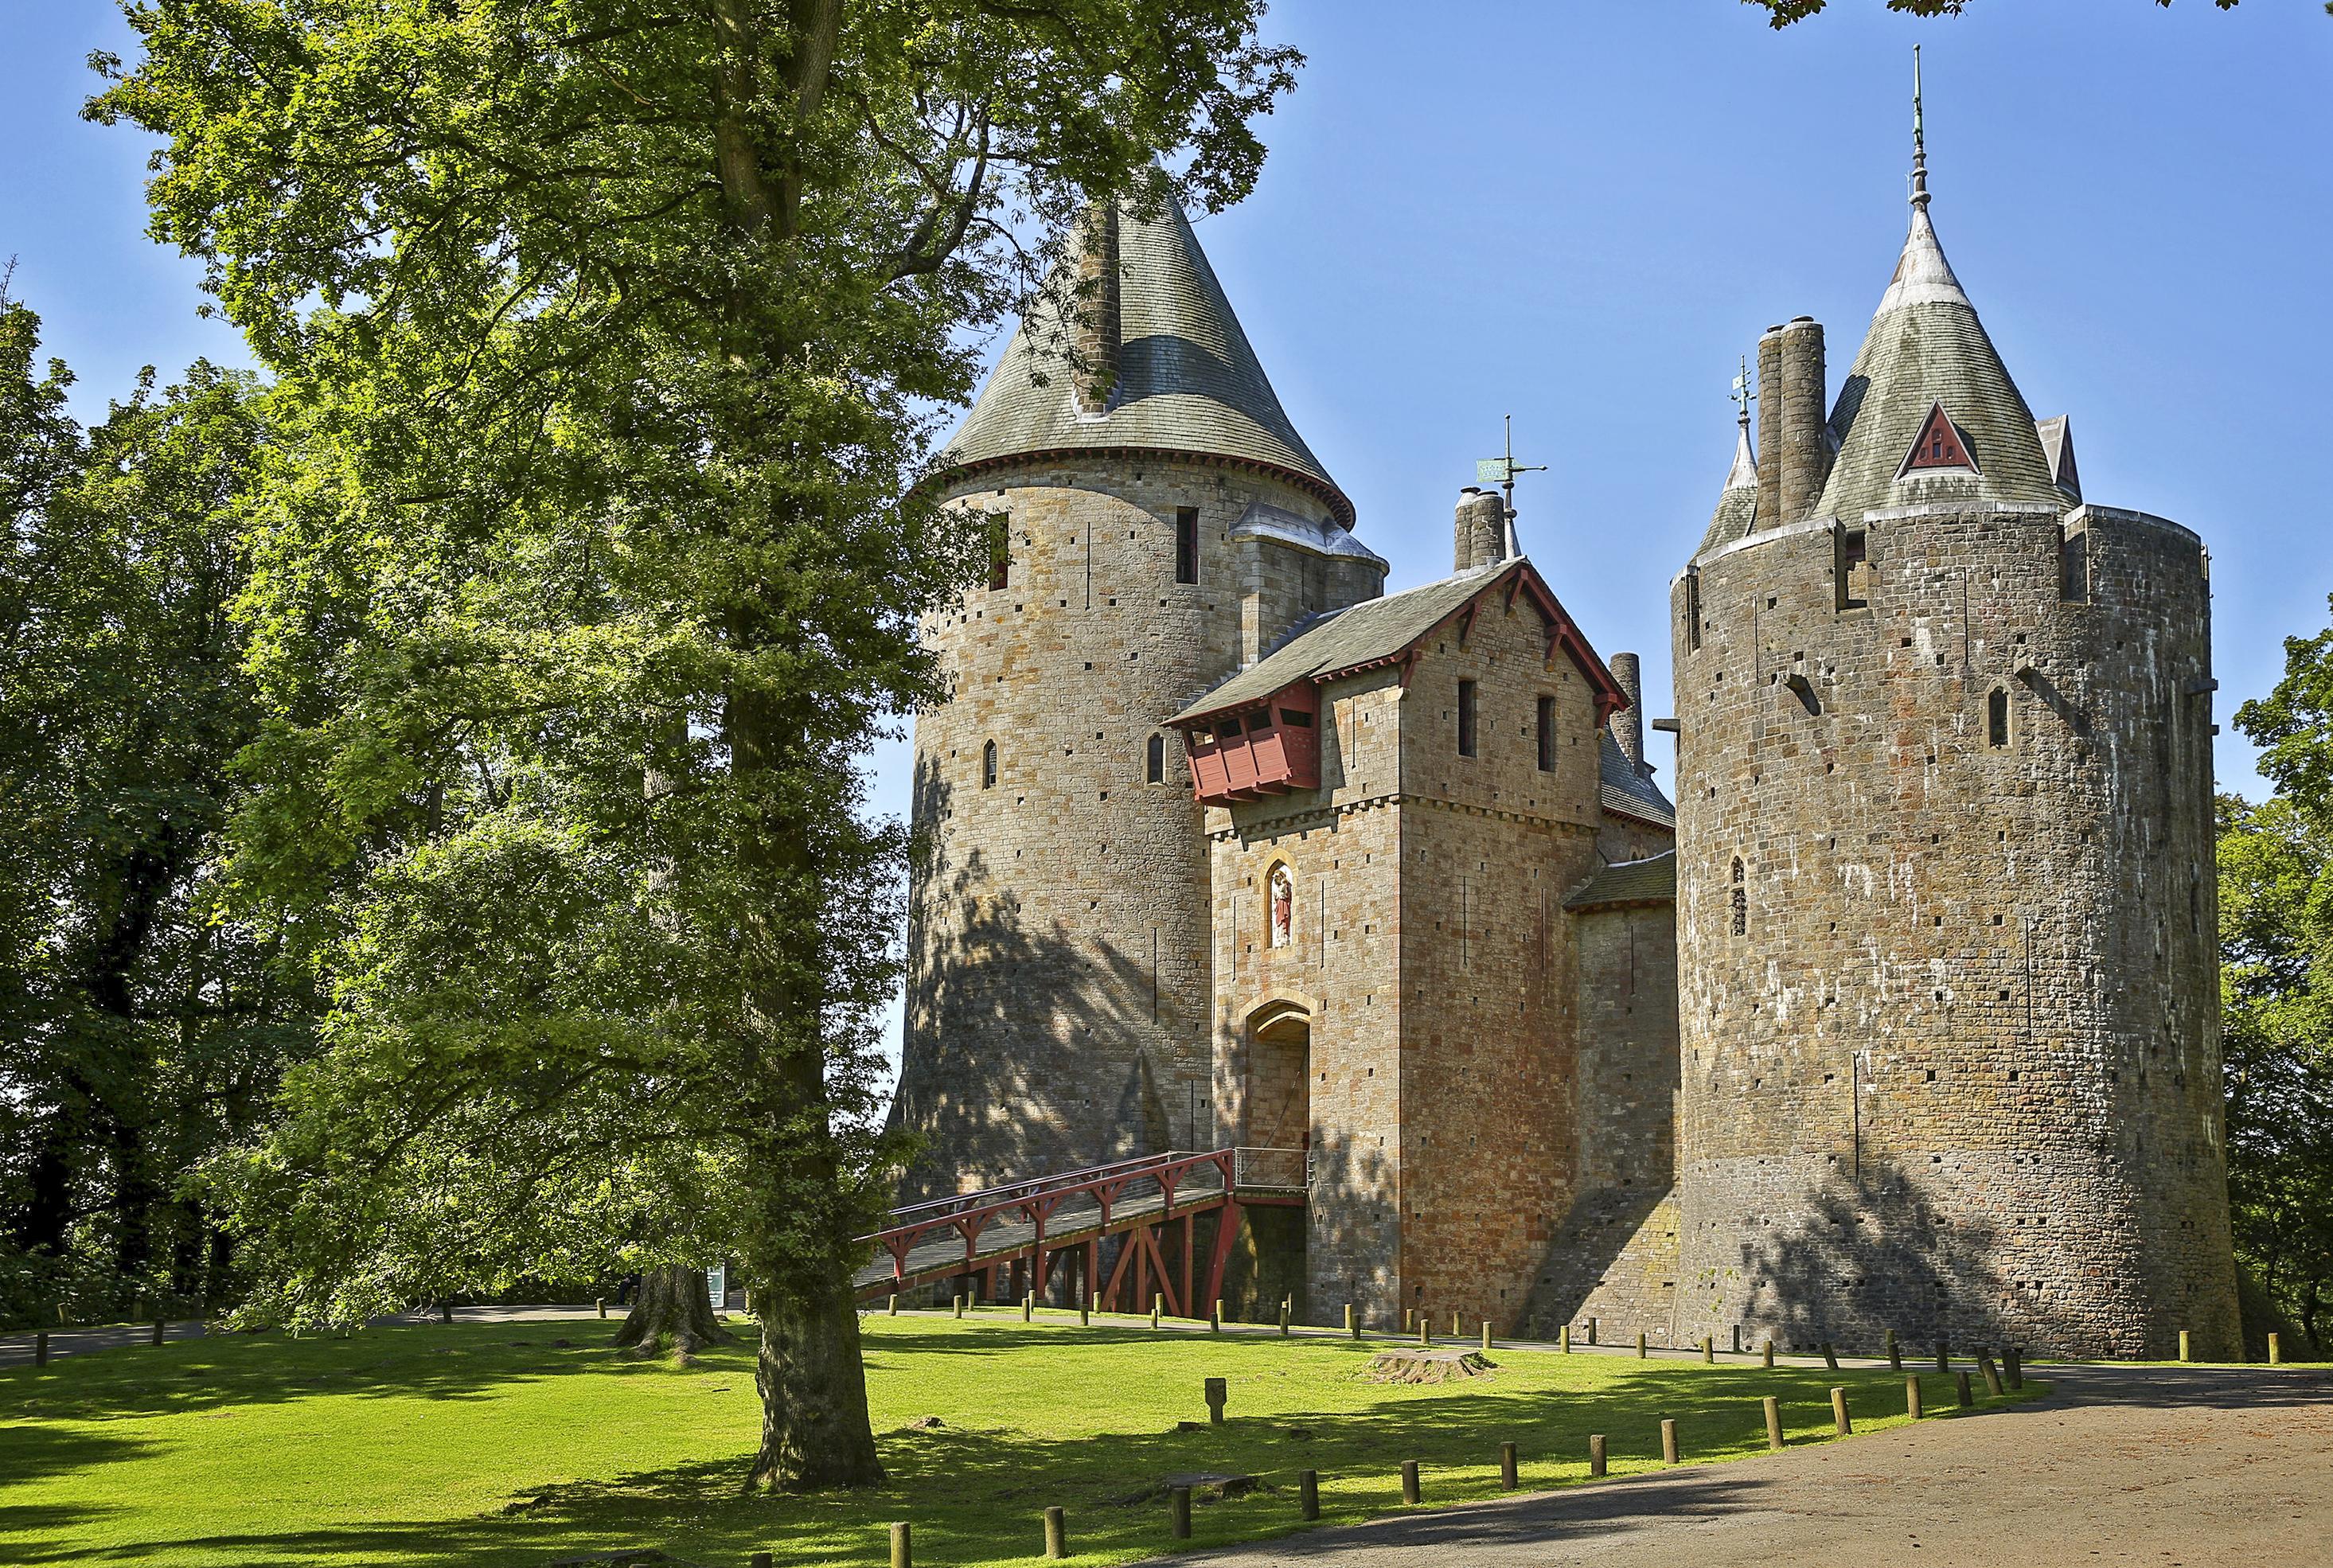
pixel 1279 1097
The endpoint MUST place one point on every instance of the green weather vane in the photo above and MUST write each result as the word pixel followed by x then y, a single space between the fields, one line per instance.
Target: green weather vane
pixel 1501 472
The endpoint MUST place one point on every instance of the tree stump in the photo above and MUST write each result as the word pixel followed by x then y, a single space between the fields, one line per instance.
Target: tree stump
pixel 673 1315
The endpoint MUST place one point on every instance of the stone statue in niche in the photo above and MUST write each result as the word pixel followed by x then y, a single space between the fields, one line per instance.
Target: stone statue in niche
pixel 1284 905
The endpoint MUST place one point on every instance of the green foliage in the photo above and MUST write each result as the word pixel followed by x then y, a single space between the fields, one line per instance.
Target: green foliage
pixel 2276 982
pixel 484 1446
pixel 146 1029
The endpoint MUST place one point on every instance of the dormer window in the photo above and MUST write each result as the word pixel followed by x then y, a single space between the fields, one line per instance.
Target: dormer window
pixel 1940 445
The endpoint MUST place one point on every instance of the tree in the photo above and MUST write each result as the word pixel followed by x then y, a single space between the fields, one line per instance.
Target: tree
pixel 611 335
pixel 144 1030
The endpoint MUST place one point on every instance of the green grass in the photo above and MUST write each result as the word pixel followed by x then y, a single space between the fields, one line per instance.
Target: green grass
pixel 489 1445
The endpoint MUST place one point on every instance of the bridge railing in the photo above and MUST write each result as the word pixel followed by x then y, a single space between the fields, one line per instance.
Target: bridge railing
pixel 1271 1170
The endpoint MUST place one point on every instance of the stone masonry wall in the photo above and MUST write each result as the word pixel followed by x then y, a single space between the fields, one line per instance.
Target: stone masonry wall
pixel 1951 1063
pixel 1060 984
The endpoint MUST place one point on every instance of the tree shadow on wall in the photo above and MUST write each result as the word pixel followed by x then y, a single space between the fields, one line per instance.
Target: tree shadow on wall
pixel 1592 1241
pixel 1075 1081
pixel 1351 1223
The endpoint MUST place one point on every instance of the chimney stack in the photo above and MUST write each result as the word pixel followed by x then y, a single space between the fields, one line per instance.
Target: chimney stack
pixel 1098 323
pixel 1769 429
pixel 1629 724
pixel 1805 436
pixel 1479 533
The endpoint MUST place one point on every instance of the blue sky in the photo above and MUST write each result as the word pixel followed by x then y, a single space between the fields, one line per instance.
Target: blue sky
pixel 1582 213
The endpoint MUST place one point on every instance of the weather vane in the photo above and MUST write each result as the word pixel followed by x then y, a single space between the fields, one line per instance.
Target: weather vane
pixel 1501 472
pixel 1739 396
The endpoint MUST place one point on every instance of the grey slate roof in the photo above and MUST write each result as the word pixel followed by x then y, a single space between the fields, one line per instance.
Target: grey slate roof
pixel 2057 438
pixel 1647 881
pixel 1926 346
pixel 1341 639
pixel 1187 381
pixel 1622 789
pixel 1737 507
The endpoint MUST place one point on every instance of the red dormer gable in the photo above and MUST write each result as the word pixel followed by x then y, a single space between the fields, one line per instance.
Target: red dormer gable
pixel 1940 445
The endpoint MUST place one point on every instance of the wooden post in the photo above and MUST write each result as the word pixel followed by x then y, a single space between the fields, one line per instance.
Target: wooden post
pixel 902 1547
pixel 1708 1350
pixel 1566 1339
pixel 1218 1394
pixel 1842 1424
pixel 1029 1307
pixel 1158 1304
pixel 2185 1350
pixel 1214 1317
pixel 602 1302
pixel 1993 1384
pixel 1457 1325
pixel 1410 1493
pixel 1486 1336
pixel 1968 1397
pixel 1774 1423
pixel 1284 1306
pixel 1944 1355
pixel 1179 1501
pixel 894 1308
pixel 2275 1351
pixel 1057 1534
pixel 1085 1313
pixel 1770 1356
pixel 1640 1344
pixel 1668 1442
pixel 959 1305
pixel 1831 1356
pixel 1425 1329
pixel 445 1311
pixel 761 1560
pixel 1307 1494
pixel 1594 1453
pixel 160 1324
pixel 1895 1353
pixel 1591 1331
pixel 1737 1338
pixel 1508 1477
pixel 2012 1365
pixel 41 1348
pixel 1352 1321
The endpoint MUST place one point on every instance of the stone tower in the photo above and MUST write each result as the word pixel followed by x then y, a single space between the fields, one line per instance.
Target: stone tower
pixel 1946 925
pixel 1161 524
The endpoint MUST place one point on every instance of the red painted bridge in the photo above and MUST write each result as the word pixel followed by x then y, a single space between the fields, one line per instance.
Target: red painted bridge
pixel 1030 1230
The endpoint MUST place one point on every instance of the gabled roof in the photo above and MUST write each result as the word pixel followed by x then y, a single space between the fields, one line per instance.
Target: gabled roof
pixel 1187 381
pixel 1378 631
pixel 2057 438
pixel 1927 347
pixel 1647 881
pixel 1624 791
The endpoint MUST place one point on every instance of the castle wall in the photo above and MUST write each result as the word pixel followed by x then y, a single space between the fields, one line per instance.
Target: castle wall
pixel 1953 1067
pixel 1059 990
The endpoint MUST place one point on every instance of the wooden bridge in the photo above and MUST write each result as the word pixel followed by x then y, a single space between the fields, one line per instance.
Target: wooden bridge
pixel 1031 1229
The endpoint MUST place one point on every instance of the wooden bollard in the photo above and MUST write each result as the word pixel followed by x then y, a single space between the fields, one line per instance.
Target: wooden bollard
pixel 1591 1331
pixel 1218 1394
pixel 1057 1534
pixel 1708 1350
pixel 2012 1366
pixel 1284 1317
pixel 893 1311
pixel 1179 1502
pixel 445 1311
pixel 1486 1336
pixel 602 1302
pixel 1895 1353
pixel 1352 1321
pixel 1992 1376
pixel 1409 1488
pixel 1508 1477
pixel 762 1559
pixel 1640 1344
pixel 1409 1320
pixel 1943 1356
pixel 41 1348
pixel 1831 1356
pixel 1911 1396
pixel 1565 1340
pixel 959 1306
pixel 1425 1329
pixel 1157 1305
pixel 1968 1395
pixel 1841 1423
pixel 903 1554
pixel 1774 1423
pixel 1085 1313
pixel 1307 1494
pixel 160 1324
pixel 1594 1453
pixel 1029 1307
pixel 2275 1350
pixel 1457 1324
pixel 1216 1317
pixel 1668 1441
pixel 1737 1338
pixel 1768 1355
pixel 2185 1350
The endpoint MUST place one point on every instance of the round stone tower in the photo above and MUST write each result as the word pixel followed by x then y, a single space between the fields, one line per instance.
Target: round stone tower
pixel 1946 920
pixel 1160 524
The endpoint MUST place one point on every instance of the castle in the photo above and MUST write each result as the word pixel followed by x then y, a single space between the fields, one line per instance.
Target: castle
pixel 1902 1017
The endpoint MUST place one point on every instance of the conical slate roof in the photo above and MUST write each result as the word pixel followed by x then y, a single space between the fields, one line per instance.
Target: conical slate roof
pixel 1927 348
pixel 1187 381
pixel 1737 506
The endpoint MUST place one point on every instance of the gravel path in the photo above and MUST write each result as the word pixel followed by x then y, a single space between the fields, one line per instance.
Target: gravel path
pixel 2170 1467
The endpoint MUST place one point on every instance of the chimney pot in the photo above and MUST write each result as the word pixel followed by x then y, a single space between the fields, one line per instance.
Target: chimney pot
pixel 1629 724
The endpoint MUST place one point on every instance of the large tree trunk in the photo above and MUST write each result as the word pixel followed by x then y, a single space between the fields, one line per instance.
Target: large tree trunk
pixel 815 1431
pixel 674 1315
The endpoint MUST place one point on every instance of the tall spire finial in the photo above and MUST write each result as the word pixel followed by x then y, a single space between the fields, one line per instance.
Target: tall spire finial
pixel 1739 396
pixel 1919 139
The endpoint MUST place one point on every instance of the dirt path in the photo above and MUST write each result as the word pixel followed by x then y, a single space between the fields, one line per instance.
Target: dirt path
pixel 2173 1467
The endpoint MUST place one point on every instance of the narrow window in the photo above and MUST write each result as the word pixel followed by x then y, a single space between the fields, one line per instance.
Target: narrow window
pixel 2074 567
pixel 1155 768
pixel 1692 609
pixel 1000 555
pixel 1186 543
pixel 988 766
pixel 1296 717
pixel 1741 901
pixel 1547 735
pixel 1465 718
pixel 1852 550
pixel 1996 718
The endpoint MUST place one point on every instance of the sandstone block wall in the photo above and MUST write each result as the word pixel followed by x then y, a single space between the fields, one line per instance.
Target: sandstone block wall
pixel 1951 1059
pixel 1060 986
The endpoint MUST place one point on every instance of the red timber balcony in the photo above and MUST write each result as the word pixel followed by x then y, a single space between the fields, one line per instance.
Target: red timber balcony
pixel 1268 750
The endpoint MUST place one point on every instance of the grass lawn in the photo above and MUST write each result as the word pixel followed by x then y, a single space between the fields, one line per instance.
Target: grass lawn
pixel 488 1444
